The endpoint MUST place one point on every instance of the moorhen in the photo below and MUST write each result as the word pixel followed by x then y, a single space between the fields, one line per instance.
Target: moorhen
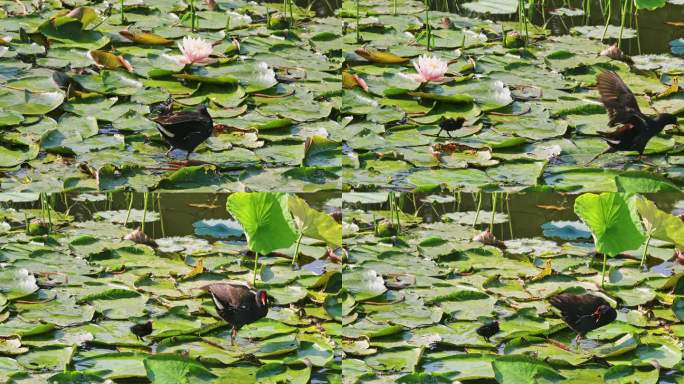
pixel 583 313
pixel 141 330
pixel 237 304
pixel 635 128
pixel 184 129
pixel 488 330
pixel 450 125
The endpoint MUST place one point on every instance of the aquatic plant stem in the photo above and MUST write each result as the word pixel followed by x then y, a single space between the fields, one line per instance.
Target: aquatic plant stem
pixel 49 214
pixel 192 16
pixel 130 206
pixel 291 14
pixel 428 29
pixel 643 254
pixel 358 16
pixel 636 20
pixel 161 216
pixel 603 270
pixel 295 255
pixel 479 205
pixel 145 199
pixel 491 218
pixel 610 14
pixel 395 8
pixel 508 211
pixel 256 262
pixel 123 15
pixel 622 22
pixel 268 16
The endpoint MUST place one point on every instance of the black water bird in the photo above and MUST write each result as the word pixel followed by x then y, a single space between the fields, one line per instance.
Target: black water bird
pixel 141 330
pixel 634 128
pixel 583 313
pixel 488 329
pixel 184 129
pixel 238 304
pixel 450 125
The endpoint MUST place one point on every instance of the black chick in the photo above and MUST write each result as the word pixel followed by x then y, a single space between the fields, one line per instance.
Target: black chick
pixel 488 329
pixel 635 129
pixel 583 313
pixel 185 129
pixel 141 330
pixel 237 304
pixel 450 125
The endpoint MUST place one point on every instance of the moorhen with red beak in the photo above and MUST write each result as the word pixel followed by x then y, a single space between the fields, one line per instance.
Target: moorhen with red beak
pixel 488 330
pixel 237 304
pixel 583 313
pixel 184 129
pixel 635 129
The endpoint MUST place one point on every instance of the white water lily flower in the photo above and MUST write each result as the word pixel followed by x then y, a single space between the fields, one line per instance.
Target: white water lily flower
pixel 237 19
pixel 265 75
pixel 194 50
pixel 26 282
pixel 502 95
pixel 430 68
pixel 472 35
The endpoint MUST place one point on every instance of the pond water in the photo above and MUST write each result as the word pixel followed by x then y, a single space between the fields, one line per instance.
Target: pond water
pixel 655 28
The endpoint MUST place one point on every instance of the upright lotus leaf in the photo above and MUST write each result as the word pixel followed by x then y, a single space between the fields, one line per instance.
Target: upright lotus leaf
pixel 175 369
pixel 659 224
pixel 649 4
pixel 16 283
pixel 265 219
pixel 611 222
pixel 520 369
pixel 313 223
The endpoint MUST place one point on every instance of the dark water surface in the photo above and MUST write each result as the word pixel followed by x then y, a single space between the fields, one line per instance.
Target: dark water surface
pixel 527 211
pixel 655 29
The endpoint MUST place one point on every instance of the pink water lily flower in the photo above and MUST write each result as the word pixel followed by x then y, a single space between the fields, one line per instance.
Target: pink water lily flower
pixel 430 68
pixel 194 50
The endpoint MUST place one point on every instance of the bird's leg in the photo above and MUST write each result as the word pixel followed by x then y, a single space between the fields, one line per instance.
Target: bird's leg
pixel 643 160
pixel 440 132
pixel 577 342
pixel 593 158
pixel 169 151
pixel 233 335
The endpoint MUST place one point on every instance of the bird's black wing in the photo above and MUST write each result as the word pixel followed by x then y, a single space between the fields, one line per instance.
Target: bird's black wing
pixel 618 99
pixel 575 307
pixel 228 298
pixel 178 118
